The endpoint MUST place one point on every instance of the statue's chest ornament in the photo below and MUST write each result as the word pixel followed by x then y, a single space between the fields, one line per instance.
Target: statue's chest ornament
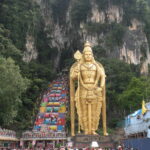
pixel 88 66
pixel 88 69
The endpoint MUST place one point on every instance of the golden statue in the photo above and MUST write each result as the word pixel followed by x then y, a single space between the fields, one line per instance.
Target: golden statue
pixel 89 97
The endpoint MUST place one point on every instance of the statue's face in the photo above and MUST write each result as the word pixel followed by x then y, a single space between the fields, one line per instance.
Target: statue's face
pixel 88 56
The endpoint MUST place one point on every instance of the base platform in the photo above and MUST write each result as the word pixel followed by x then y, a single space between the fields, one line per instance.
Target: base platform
pixel 82 141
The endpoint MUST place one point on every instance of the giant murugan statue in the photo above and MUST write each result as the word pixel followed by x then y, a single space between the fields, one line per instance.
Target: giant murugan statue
pixel 88 97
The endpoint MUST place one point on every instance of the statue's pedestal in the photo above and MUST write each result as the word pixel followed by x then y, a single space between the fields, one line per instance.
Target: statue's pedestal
pixel 82 141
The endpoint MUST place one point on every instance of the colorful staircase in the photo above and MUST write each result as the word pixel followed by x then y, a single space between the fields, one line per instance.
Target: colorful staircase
pixel 51 119
pixel 52 114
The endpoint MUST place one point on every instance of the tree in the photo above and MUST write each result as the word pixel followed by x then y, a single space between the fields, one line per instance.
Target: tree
pixel 80 11
pixel 19 17
pixel 7 48
pixel 137 90
pixel 12 85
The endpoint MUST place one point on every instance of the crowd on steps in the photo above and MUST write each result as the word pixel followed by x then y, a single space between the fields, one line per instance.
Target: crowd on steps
pixel 7 133
pixel 65 148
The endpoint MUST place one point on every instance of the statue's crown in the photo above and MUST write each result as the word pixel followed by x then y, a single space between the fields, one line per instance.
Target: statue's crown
pixel 87 47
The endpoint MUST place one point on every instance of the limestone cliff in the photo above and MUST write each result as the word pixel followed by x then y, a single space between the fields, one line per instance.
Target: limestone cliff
pixel 31 51
pixel 67 35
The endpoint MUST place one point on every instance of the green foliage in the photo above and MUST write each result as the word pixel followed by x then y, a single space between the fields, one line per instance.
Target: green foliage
pixel 129 11
pixel 80 11
pixel 97 27
pixel 114 121
pixel 12 85
pixel 7 48
pixel 19 17
pixel 42 45
pixel 115 36
pixel 114 32
pixel 103 4
pixel 142 9
pixel 46 54
pixel 34 70
pixel 40 75
pixel 137 90
pixel 139 9
pixel 99 51
pixel 118 76
pixel 143 52
pixel 59 9
pixel 109 130
pixel 68 62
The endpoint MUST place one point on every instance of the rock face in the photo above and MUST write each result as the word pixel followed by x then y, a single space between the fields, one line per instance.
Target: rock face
pixel 115 14
pixel 65 36
pixel 31 51
pixel 96 15
pixel 135 49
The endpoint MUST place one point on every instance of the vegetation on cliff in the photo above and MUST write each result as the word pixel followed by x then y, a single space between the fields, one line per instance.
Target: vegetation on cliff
pixel 125 87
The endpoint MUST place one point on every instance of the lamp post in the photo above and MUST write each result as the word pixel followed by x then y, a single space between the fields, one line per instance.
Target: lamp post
pixel 94 144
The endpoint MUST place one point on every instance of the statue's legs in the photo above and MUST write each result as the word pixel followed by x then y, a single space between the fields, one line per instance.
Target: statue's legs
pixel 84 115
pixel 96 111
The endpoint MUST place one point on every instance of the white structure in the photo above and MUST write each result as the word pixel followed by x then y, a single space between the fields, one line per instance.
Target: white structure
pixel 94 144
pixel 137 122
